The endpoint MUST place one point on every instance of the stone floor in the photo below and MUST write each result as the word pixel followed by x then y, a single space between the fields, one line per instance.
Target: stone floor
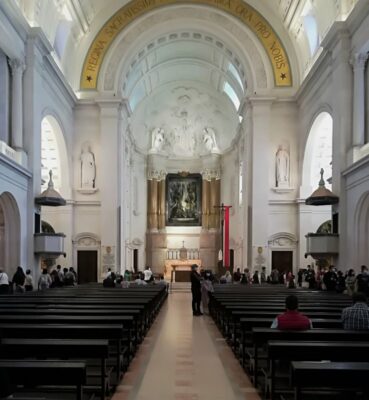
pixel 184 358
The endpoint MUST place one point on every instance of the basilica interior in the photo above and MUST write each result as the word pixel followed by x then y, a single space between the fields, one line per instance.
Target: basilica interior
pixel 126 125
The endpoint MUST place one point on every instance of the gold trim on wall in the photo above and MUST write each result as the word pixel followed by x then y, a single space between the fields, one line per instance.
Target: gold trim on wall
pixel 136 8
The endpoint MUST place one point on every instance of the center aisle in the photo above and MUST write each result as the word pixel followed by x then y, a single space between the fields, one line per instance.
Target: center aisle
pixel 184 358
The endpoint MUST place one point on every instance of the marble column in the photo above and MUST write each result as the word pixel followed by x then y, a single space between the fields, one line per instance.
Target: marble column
pixel 161 205
pixel 205 203
pixel 261 131
pixel 358 129
pixel 110 183
pixel 152 204
pixel 17 67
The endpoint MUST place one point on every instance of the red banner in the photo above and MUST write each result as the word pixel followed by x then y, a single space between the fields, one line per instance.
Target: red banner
pixel 226 237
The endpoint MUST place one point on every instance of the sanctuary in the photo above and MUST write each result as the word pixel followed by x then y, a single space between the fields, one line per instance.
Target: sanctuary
pixel 151 114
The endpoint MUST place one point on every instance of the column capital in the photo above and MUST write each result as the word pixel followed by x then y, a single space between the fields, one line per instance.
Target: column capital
pixel 211 173
pixel 358 60
pixel 17 65
pixel 157 174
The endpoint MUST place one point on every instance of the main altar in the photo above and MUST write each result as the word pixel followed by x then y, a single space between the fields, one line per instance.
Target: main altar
pixel 179 270
pixel 178 263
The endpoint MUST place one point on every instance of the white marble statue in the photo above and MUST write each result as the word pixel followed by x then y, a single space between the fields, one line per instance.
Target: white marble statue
pixel 209 140
pixel 157 140
pixel 88 167
pixel 282 167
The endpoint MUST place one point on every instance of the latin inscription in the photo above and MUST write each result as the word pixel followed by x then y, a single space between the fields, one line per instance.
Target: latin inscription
pixel 136 8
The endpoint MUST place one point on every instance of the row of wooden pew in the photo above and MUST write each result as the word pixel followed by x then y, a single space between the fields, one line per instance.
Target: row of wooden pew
pixel 72 342
pixel 293 364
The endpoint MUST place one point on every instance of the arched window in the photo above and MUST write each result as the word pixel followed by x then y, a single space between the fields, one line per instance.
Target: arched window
pixel 318 151
pixel 50 155
pixel 310 27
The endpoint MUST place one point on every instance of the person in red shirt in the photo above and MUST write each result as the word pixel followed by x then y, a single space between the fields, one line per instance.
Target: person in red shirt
pixel 292 319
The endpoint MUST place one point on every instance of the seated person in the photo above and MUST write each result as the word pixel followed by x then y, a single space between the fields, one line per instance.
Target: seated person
pixel 292 319
pixel 356 317
pixel 140 280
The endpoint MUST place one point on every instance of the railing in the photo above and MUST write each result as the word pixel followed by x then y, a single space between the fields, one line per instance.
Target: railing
pixel 8 151
pixel 175 254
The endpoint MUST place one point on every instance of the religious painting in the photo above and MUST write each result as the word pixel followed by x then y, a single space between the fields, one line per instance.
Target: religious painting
pixel 183 200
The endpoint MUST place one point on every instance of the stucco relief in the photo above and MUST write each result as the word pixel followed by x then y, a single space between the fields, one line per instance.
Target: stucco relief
pixel 282 240
pixel 114 57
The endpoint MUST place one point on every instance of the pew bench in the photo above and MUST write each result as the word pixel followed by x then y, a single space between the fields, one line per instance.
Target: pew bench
pixel 45 373
pixel 328 376
pixel 62 349
pixel 288 351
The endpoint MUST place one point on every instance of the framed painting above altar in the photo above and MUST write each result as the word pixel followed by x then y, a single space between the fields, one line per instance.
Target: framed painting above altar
pixel 183 200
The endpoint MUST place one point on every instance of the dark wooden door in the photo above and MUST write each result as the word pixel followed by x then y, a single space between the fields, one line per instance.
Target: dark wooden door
pixel 87 266
pixel 282 260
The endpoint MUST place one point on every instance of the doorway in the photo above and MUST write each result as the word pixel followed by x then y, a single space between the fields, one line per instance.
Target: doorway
pixel 282 261
pixel 87 266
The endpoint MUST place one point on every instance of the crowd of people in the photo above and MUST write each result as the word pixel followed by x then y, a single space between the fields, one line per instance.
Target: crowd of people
pixel 329 279
pixel 23 281
pixel 145 277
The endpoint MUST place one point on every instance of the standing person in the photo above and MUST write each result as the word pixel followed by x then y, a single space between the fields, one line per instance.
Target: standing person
pixel 196 290
pixel 341 282
pixel 310 277
pixel 300 275
pixel 255 278
pixel 45 280
pixel 330 279
pixel 362 281
pixel 356 317
pixel 275 276
pixel 350 282
pixel 4 282
pixel 18 280
pixel 206 287
pixel 148 274
pixel 60 273
pixel 263 277
pixel 71 269
pixel 237 275
pixel 28 282
pixel 292 319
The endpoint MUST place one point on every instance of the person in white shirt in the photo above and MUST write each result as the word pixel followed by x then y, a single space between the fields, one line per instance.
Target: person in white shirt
pixel 148 274
pixel 140 281
pixel 28 282
pixel 4 282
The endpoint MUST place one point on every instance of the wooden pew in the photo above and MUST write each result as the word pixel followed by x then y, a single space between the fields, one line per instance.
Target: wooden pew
pixel 43 373
pixel 261 336
pixel 332 375
pixel 312 351
pixel 63 349
pixel 110 332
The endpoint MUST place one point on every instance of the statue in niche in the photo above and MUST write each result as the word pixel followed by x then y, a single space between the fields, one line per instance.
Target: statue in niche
pixel 88 167
pixel 157 140
pixel 282 166
pixel 209 140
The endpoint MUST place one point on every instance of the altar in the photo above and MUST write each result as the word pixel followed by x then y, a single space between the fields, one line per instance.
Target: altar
pixel 179 270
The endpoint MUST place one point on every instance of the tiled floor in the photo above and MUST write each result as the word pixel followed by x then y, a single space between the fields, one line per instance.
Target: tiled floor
pixel 184 358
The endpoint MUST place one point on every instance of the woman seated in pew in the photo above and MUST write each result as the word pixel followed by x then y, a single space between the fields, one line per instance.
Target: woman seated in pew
pixel 292 319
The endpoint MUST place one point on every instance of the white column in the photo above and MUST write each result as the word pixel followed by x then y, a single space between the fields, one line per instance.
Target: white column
pixel 247 181
pixel 358 130
pixel 17 67
pixel 109 167
pixel 261 119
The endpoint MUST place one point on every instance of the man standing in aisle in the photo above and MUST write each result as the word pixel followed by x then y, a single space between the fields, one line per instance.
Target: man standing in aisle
pixel 196 290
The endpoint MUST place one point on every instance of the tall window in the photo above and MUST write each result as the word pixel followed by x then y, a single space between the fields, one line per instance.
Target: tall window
pixel 318 151
pixel 50 159
pixel 240 183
